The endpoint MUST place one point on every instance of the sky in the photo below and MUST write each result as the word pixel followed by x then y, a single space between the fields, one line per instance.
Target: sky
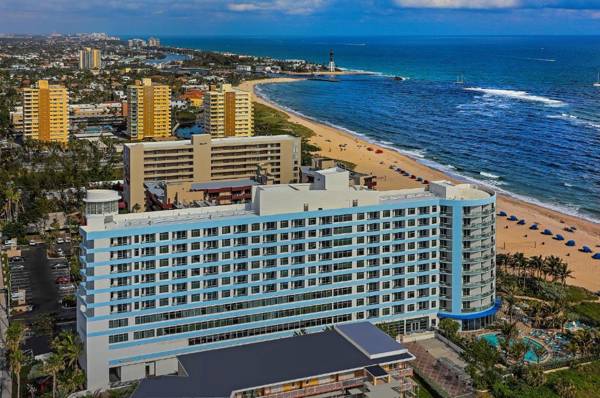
pixel 301 17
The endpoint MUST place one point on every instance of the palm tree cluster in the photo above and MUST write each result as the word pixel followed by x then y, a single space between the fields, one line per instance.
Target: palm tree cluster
pixel 585 342
pixel 15 335
pixel 40 178
pixel 549 268
pixel 61 365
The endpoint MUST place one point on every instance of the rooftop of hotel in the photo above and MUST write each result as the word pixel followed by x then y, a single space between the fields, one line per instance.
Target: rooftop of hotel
pixel 215 141
pixel 330 191
pixel 218 373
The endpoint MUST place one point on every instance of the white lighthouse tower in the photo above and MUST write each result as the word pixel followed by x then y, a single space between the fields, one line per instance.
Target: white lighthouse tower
pixel 331 61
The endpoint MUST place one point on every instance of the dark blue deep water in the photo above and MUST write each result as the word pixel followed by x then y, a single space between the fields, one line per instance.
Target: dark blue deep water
pixel 526 120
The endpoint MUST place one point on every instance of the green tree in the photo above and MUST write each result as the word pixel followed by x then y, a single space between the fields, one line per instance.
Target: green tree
pixel 16 359
pixel 449 328
pixel 53 366
pixel 68 346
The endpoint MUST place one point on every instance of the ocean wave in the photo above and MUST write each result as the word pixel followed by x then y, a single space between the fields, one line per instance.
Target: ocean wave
pixel 576 120
pixel 450 170
pixel 519 95
pixel 489 175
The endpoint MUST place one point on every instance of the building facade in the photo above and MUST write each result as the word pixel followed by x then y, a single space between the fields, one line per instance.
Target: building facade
pixel 46 112
pixel 149 110
pixel 296 258
pixel 89 58
pixel 204 159
pixel 228 112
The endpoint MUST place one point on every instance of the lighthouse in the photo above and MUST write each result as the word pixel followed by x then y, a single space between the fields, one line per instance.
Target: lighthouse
pixel 331 61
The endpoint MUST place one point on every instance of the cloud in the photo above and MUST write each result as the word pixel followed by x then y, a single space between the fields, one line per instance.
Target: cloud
pixel 500 4
pixel 302 7
pixel 458 4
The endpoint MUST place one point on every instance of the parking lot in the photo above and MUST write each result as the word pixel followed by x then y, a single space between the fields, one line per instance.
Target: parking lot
pixel 45 282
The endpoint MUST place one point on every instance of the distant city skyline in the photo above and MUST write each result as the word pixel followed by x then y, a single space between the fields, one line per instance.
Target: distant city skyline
pixel 302 17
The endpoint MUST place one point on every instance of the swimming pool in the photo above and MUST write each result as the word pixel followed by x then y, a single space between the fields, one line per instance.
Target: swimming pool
pixel 530 356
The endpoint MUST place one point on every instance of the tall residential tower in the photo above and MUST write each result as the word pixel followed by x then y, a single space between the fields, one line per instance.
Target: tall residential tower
pixel 149 110
pixel 46 112
pixel 89 58
pixel 298 257
pixel 228 112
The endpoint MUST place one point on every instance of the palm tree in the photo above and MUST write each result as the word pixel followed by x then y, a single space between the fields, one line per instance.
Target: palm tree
pixel 52 366
pixel 68 346
pixel 16 359
pixel 508 333
pixel 536 263
pixel 15 334
pixel 511 302
pixel 553 264
pixel 521 264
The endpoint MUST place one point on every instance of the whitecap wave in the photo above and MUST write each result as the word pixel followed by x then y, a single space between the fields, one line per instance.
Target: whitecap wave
pixel 488 175
pixel 576 120
pixel 518 95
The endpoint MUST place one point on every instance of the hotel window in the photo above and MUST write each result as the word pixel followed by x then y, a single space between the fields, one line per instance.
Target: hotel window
pixel 164 236
pixel 118 338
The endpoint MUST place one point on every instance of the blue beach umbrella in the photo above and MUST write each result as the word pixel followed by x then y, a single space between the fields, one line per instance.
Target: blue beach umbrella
pixel 521 222
pixel 596 256
pixel 570 243
pixel 512 218
pixel 586 249
pixel 547 232
pixel 559 237
pixel 534 227
pixel 502 214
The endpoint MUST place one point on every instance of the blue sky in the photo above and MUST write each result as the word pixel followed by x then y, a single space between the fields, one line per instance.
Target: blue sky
pixel 302 17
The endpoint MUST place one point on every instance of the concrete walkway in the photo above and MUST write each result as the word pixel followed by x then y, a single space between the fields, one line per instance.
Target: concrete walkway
pixel 451 381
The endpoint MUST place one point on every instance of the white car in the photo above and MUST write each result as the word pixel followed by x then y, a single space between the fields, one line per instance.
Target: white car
pixel 68 239
pixel 60 240
pixel 32 243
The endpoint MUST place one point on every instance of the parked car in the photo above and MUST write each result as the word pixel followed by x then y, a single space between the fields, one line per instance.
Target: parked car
pixel 67 239
pixel 15 266
pixel 32 243
pixel 60 252
pixel 60 266
pixel 60 240
pixel 16 259
pixel 61 280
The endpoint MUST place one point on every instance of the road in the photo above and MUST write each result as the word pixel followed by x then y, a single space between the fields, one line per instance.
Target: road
pixel 5 376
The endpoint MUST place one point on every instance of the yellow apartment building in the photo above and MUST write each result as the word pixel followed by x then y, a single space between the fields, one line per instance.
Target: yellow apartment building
pixel 228 112
pixel 89 58
pixel 46 112
pixel 149 110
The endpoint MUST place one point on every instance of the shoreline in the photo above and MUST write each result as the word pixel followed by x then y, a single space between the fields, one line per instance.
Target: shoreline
pixel 337 143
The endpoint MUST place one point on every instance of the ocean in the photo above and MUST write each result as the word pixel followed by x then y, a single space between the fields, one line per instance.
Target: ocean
pixel 526 121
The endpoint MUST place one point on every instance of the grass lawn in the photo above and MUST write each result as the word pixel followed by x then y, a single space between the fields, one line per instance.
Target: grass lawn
pixel 586 380
pixel 588 312
pixel 270 121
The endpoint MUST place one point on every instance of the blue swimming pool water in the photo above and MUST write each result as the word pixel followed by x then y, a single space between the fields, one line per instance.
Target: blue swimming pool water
pixel 530 356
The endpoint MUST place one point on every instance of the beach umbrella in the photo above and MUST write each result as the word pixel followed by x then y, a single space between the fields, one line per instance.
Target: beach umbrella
pixel 586 249
pixel 547 232
pixel 534 227
pixel 521 222
pixel 502 214
pixel 570 243
pixel 596 256
pixel 512 218
pixel 559 237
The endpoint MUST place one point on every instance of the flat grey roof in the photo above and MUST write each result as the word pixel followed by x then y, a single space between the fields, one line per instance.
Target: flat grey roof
pixel 217 373
pixel 199 186
pixel 370 340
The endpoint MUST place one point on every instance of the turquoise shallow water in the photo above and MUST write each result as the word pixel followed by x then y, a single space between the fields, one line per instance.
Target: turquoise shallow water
pixel 526 121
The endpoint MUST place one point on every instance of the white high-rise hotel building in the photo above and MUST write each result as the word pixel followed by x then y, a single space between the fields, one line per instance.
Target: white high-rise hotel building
pixel 298 257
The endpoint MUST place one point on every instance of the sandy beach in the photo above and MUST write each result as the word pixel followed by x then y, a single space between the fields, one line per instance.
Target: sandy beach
pixel 337 144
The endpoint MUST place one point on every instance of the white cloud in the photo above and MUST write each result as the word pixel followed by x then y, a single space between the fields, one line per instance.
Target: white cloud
pixel 459 4
pixel 286 6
